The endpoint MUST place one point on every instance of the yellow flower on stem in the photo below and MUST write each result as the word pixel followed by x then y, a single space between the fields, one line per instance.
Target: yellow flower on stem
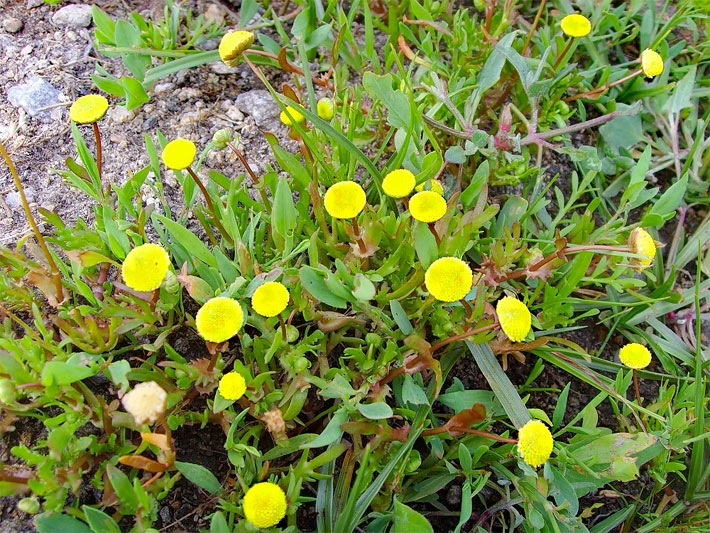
pixel 265 504
pixel 145 267
pixel 233 45
pixel 88 109
pixel 344 199
pixel 270 299
pixel 325 108
pixel 399 183
pixel 651 63
pixel 535 443
pixel 219 319
pixel 179 154
pixel 635 356
pixel 146 403
pixel 514 318
pixel 448 279
pixel 576 25
pixel 232 386
pixel 427 206
pixel 433 185
pixel 641 243
pixel 291 116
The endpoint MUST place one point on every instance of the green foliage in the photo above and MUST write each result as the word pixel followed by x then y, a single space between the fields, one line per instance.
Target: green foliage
pixel 367 399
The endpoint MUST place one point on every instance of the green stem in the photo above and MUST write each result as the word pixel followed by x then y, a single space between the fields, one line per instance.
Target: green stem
pixel 40 240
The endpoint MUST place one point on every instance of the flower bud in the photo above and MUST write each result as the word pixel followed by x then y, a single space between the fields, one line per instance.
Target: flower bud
pixel 221 138
pixel 28 505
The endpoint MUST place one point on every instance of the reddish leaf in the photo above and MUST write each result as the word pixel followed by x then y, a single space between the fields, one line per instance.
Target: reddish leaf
pixel 465 419
pixel 142 463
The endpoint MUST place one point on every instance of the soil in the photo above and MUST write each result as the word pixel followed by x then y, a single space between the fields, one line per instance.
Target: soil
pixel 193 105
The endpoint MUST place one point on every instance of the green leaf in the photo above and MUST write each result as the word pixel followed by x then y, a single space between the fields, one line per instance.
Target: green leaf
pixel 184 63
pixel 283 214
pixel 400 317
pixel 456 155
pixel 128 36
pixel 614 455
pixel 99 521
pixel 413 393
pixel 623 131
pixel 490 73
pixel 313 282
pixel 504 390
pixel 407 520
pixel 396 102
pixel 331 432
pixel 134 92
pixel 665 207
pixel 64 373
pixel 363 288
pixel 59 523
pixel 375 411
pixel 123 488
pixel 187 240
pixel 218 524
pixel 471 193
pixel 425 244
pixel 200 476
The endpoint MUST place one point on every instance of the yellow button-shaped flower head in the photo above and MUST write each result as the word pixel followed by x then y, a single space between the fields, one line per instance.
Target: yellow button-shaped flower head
pixel 427 206
pixel 344 199
pixel 514 318
pixel 635 355
pixel 399 183
pixel 576 25
pixel 448 279
pixel 232 386
pixel 145 267
pixel 295 116
pixel 146 402
pixel 88 109
pixel 325 108
pixel 432 185
pixel 265 504
pixel 535 443
pixel 179 154
pixel 270 298
pixel 651 63
pixel 219 319
pixel 642 243
pixel 233 45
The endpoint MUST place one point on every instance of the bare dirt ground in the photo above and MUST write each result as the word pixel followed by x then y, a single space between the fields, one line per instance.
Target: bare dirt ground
pixel 192 104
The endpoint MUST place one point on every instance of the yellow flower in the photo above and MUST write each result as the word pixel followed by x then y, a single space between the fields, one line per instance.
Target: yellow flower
pixel 295 114
pixel 270 298
pixel 219 319
pixel 325 108
pixel 535 443
pixel 427 206
pixel 651 63
pixel 433 185
pixel 514 318
pixel 233 45
pixel 179 154
pixel 232 386
pixel 642 243
pixel 146 402
pixel 145 267
pixel 399 183
pixel 344 199
pixel 576 25
pixel 635 356
pixel 448 279
pixel 88 109
pixel 265 504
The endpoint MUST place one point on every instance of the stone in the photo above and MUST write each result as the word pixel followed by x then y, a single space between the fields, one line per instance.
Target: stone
pixel 14 201
pixel 220 68
pixel 73 15
pixel 31 4
pixel 12 25
pixel 260 105
pixel 215 13
pixel 34 96
pixel 120 114
pixel 163 88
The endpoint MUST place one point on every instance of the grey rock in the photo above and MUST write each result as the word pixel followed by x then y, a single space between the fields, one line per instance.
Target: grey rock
pixel 14 201
pixel 208 44
pixel 73 15
pixel 150 123
pixel 163 87
pixel 35 95
pixel 260 105
pixel 31 4
pixel 120 114
pixel 12 25
pixel 221 68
